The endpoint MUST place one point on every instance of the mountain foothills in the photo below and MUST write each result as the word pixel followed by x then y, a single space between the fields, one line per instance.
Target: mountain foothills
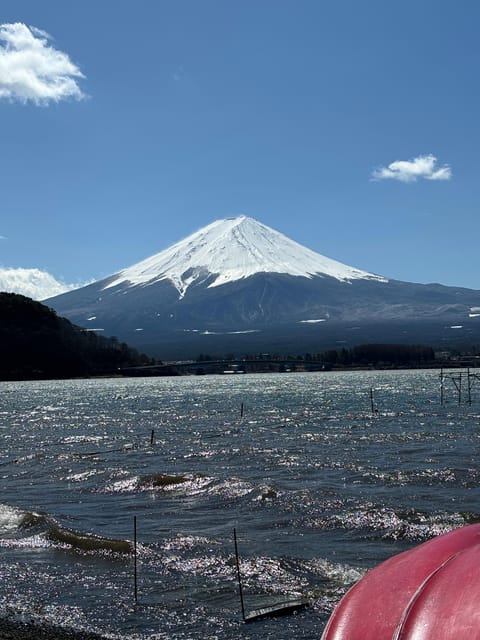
pixel 238 286
pixel 36 343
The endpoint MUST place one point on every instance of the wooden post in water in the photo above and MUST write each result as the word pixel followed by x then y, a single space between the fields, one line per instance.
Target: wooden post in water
pixel 441 386
pixel 469 383
pixel 241 410
pixel 135 558
pixel 239 577
pixel 457 381
pixel 152 437
pixel 372 403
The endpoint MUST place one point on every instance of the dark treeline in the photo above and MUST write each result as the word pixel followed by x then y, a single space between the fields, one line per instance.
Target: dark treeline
pixel 393 355
pixel 387 354
pixel 35 343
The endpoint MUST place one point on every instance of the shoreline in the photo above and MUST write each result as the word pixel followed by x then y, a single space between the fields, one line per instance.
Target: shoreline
pixel 11 629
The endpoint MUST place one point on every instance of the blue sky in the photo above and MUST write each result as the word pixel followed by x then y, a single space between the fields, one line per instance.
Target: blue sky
pixel 352 127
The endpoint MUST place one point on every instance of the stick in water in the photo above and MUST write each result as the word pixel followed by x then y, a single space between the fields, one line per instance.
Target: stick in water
pixel 135 556
pixel 239 577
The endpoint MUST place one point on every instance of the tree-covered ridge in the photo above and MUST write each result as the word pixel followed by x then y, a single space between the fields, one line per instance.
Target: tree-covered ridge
pixel 36 343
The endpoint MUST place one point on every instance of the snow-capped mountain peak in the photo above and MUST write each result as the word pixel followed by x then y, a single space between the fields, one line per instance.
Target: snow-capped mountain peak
pixel 230 250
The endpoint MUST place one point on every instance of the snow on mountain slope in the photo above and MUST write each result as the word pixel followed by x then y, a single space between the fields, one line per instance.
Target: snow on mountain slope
pixel 230 250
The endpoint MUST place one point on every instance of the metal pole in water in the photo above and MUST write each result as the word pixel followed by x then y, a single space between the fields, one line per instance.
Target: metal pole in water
pixel 441 386
pixel 135 557
pixel 239 577
pixel 372 404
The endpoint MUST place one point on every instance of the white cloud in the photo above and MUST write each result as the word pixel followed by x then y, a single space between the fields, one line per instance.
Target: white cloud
pixel 411 170
pixel 33 283
pixel 30 69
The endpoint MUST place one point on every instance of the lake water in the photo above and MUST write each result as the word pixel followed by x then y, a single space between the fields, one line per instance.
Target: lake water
pixel 318 487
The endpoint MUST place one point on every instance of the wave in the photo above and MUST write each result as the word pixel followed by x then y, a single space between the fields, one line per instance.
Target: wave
pixel 389 524
pixel 196 485
pixel 186 484
pixel 267 493
pixel 22 459
pixel 164 480
pixel 13 518
pixel 88 542
pixel 467 478
pixel 335 580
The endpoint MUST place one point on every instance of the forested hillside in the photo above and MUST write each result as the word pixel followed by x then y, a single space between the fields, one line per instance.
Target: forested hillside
pixel 36 343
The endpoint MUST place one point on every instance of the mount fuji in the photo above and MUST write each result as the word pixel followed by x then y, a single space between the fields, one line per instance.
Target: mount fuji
pixel 239 286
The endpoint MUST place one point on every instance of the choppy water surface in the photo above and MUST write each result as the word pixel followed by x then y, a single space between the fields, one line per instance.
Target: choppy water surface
pixel 318 488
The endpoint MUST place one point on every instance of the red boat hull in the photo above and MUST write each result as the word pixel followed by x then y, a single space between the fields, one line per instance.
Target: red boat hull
pixel 431 592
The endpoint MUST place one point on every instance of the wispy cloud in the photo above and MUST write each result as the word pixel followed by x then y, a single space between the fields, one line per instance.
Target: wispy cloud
pixel 179 73
pixel 411 170
pixel 33 283
pixel 32 70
